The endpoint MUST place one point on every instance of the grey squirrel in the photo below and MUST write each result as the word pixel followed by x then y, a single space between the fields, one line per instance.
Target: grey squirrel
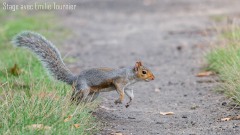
pixel 89 83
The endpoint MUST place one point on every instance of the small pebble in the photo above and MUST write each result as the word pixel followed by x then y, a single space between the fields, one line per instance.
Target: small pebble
pixel 235 126
pixel 224 103
pixel 131 117
pixel 193 123
pixel 159 122
pixel 194 107
pixel 179 48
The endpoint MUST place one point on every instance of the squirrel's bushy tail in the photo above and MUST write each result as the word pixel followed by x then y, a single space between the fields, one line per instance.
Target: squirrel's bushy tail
pixel 47 53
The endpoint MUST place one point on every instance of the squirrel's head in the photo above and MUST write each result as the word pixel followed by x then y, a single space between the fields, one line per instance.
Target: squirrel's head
pixel 142 72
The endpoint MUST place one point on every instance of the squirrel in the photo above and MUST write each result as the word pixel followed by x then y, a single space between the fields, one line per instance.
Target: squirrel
pixel 89 83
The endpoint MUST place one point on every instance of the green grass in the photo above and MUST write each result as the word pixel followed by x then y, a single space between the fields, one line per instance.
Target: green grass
pixel 32 97
pixel 225 61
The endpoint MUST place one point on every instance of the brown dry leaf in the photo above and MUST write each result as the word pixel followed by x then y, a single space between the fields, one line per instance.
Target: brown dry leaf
pixel 231 118
pixel 237 117
pixel 205 73
pixel 38 127
pixel 226 119
pixel 68 118
pixel 76 125
pixel 106 108
pixel 15 70
pixel 116 133
pixel 167 113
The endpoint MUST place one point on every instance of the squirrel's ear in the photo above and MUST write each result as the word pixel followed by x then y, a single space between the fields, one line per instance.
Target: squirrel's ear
pixel 137 65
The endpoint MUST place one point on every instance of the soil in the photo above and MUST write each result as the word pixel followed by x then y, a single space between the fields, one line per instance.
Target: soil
pixel 168 36
pixel 171 38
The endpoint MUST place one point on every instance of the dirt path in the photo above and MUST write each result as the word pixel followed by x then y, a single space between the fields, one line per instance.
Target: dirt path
pixel 170 37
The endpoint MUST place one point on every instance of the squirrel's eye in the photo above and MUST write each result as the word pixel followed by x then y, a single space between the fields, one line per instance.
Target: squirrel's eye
pixel 144 72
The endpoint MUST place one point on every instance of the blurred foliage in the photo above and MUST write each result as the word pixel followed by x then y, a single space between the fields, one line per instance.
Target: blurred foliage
pixel 226 62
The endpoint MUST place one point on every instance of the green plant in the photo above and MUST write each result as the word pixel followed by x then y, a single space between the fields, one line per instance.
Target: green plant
pixel 226 62
pixel 30 101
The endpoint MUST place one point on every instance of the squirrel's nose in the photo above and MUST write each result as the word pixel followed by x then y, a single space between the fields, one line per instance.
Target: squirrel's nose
pixel 153 77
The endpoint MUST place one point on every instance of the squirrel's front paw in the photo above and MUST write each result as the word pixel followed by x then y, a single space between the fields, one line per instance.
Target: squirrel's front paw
pixel 118 101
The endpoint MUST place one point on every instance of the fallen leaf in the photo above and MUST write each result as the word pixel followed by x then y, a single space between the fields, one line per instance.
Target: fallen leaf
pixel 68 118
pixel 231 118
pixel 116 133
pixel 226 119
pixel 38 127
pixel 166 113
pixel 237 117
pixel 76 125
pixel 205 73
pixel 15 70
pixel 106 108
